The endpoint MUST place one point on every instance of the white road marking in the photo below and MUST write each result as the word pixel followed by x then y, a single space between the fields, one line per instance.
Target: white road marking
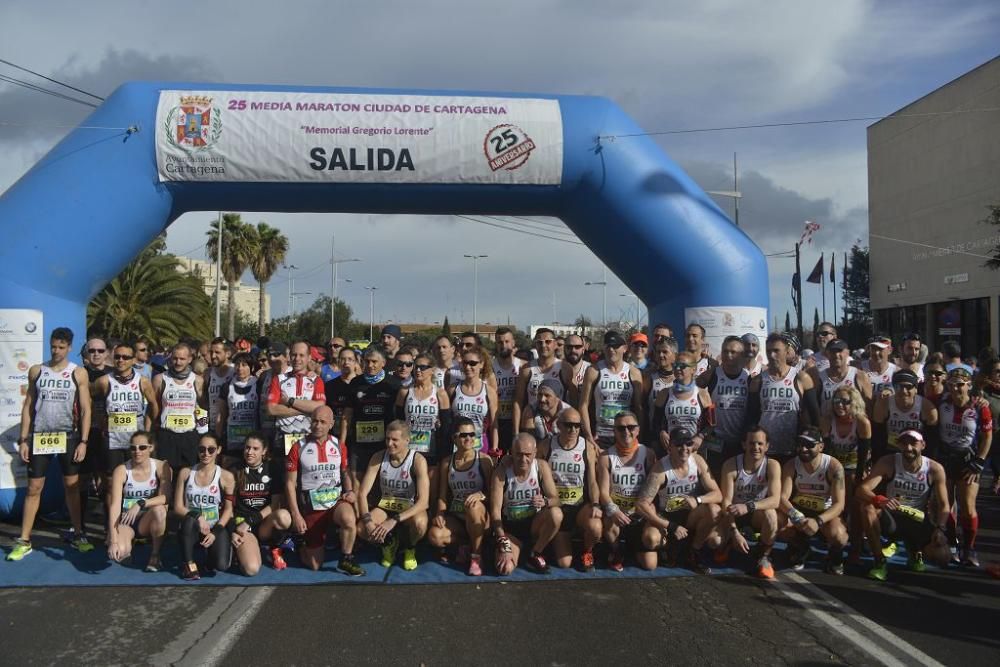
pixel 842 610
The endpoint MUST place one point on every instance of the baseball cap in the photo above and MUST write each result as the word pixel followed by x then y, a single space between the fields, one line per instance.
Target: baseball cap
pixel 959 369
pixel 392 330
pixel 639 338
pixel 277 347
pixel 881 342
pixel 914 435
pixel 811 435
pixel 680 434
pixel 613 339
pixel 836 345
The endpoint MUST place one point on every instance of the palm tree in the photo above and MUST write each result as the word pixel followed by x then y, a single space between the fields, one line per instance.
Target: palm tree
pixel 270 249
pixel 151 298
pixel 238 248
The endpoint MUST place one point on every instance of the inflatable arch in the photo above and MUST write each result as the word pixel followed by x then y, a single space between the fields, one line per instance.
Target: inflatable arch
pixel 155 150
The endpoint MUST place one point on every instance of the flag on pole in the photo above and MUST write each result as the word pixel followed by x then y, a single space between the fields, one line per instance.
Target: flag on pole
pixel 833 274
pixel 807 233
pixel 817 273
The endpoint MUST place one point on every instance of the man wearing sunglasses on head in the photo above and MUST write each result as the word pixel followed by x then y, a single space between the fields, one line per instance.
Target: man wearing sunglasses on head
pixel 611 386
pixel 898 410
pixel 130 404
pixel 545 367
pixel 574 471
pixel 966 433
pixel 812 500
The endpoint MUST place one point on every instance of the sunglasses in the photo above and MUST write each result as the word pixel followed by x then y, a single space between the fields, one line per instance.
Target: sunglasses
pixel 471 364
pixel 335 346
pixel 207 450
pixel 575 347
pixel 937 374
pixel 621 428
pixel 912 336
pixel 423 367
pixel 841 401
pixel 464 435
pixel 905 386
pixel 802 444
pixel 824 333
pixel 124 357
pixel 680 367
pixel 142 349
pixel 569 425
pixel 139 448
pixel 684 443
pixel 406 364
pixel 96 350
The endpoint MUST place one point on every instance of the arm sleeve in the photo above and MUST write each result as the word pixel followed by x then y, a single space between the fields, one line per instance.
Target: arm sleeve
pixel 864 448
pixel 810 400
pixel 344 461
pixel 753 410
pixel 319 390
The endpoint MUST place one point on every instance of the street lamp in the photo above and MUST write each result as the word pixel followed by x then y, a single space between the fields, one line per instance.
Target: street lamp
pixel 295 294
pixel 291 286
pixel 604 288
pixel 733 194
pixel 638 309
pixel 371 320
pixel 333 283
pixel 475 287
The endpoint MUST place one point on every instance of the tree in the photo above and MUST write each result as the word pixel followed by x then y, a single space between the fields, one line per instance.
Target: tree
pixel 788 321
pixel 815 323
pixel 151 298
pixel 993 219
pixel 270 249
pixel 446 328
pixel 857 297
pixel 238 250
pixel 582 323
pixel 313 324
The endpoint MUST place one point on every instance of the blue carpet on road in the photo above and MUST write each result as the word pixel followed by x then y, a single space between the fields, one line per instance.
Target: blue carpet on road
pixel 56 564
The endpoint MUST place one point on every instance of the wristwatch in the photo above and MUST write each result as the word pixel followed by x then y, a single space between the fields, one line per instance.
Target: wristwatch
pixel 141 503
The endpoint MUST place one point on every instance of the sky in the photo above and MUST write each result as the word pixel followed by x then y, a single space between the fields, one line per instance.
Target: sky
pixel 670 65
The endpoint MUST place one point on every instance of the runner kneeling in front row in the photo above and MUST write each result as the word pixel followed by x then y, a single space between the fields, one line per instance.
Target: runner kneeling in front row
pixel 400 514
pixel 812 501
pixel 621 472
pixel 319 493
pixel 905 511
pixel 203 497
pixel 524 507
pixel 573 461
pixel 751 492
pixel 139 497
pixel 258 521
pixel 687 503
pixel 461 503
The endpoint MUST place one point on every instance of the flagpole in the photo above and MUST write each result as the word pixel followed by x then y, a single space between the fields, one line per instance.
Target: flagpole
pixel 822 281
pixel 833 280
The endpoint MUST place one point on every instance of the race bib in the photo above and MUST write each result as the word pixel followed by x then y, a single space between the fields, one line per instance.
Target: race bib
pixel 609 409
pixel 505 410
pixel 911 512
pixel 48 443
pixel 290 439
pixel 201 419
pixel 324 497
pixel 237 435
pixel 370 431
pixel 571 496
pixel 518 512
pixel 210 515
pixel 675 503
pixel 813 503
pixel 180 423
pixel 122 422
pixel 457 506
pixel 129 503
pixel 391 504
pixel 848 459
pixel 626 505
pixel 420 441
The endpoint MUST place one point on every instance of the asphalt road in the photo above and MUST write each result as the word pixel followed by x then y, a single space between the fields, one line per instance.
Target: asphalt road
pixel 949 616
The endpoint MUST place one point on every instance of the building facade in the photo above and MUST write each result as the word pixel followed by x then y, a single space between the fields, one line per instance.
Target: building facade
pixel 246 297
pixel 933 172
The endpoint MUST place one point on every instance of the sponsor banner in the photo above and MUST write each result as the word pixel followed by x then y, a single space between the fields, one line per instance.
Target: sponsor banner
pixel 722 321
pixel 344 138
pixel 20 348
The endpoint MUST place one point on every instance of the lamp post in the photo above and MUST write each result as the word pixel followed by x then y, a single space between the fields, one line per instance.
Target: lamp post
pixel 371 319
pixel 333 283
pixel 295 294
pixel 218 282
pixel 733 194
pixel 475 287
pixel 291 287
pixel 604 289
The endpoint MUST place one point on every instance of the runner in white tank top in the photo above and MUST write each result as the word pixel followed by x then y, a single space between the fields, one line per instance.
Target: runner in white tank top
pixel 137 496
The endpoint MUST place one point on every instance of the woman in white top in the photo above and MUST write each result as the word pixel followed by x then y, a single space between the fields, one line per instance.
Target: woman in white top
pixel 139 496
pixel 476 399
pixel 203 498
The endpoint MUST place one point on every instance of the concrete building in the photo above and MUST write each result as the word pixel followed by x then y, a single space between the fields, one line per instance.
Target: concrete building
pixel 931 179
pixel 247 297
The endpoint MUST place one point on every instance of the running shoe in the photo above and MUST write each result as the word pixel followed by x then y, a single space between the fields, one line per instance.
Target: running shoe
pixel 21 549
pixel 443 557
pixel 153 565
pixel 288 544
pixel 698 563
pixel 277 559
pixel 389 549
pixel 616 560
pixel 764 568
pixel 410 559
pixel 190 572
pixel 475 566
pixel 956 558
pixel 834 568
pixel 970 558
pixel 889 550
pixel 536 563
pixel 879 571
pixel 587 561
pixel 82 544
pixel 915 562
pixel 350 567
pixel 721 555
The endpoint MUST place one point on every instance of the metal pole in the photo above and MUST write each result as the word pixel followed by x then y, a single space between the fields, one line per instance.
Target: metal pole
pixel 798 307
pixel 822 281
pixel 291 305
pixel 218 281
pixel 604 289
pixel 475 294
pixel 333 286
pixel 736 188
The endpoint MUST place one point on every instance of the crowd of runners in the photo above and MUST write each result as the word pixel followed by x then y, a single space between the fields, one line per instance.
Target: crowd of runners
pixel 644 449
